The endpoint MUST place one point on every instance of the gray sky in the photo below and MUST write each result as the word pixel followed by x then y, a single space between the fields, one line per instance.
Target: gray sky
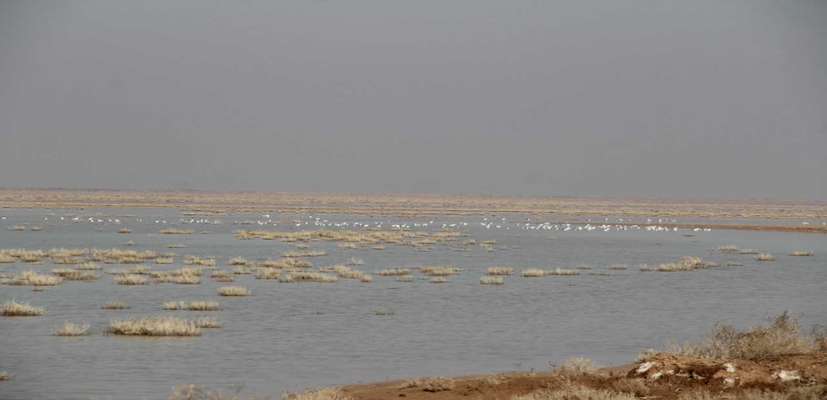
pixel 701 98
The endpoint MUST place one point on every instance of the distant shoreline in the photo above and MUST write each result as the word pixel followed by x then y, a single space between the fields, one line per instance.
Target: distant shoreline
pixel 786 216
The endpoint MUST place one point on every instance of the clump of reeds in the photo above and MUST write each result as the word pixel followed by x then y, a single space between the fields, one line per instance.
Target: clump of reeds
pixel 366 279
pixel 729 248
pixel 301 276
pixel 6 259
pixel 533 273
pixel 304 253
pixel 561 272
pixel 115 305
pixel 88 266
pixel 207 322
pixel 154 326
pixel 242 270
pixel 195 260
pixel 748 251
pixel 499 271
pixel 233 291
pixel 268 273
pixel 130 279
pixel 802 253
pixel 405 278
pixel 190 306
pixel 394 272
pixel 238 261
pixel 164 260
pixel 618 267
pixel 4 376
pixel 765 257
pixel 72 329
pixel 31 278
pixel 492 280
pixel 75 275
pixel 684 264
pixel 439 279
pixel 15 309
pixel 439 270
pixel 782 337
pixel 221 276
pixel 176 231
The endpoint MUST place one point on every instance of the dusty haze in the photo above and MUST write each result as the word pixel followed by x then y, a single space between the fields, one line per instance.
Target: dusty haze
pixel 637 98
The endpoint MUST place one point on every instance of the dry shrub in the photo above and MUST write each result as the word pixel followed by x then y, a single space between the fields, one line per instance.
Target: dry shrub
pixel 575 392
pixel 635 386
pixel 576 366
pixel 154 326
pixel 233 291
pixel 115 305
pixel 499 271
pixel 72 329
pixel 319 394
pixel 15 309
pixel 32 278
pixel 432 385
pixel 130 279
pixel 195 392
pixel 782 337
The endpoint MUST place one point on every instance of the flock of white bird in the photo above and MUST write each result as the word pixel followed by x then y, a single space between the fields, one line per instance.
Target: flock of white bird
pixel 309 221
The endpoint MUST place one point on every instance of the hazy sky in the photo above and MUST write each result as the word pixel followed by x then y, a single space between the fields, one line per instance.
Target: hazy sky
pixel 701 98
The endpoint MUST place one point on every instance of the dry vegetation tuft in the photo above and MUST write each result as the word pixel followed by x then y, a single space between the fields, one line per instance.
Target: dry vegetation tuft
pixel 72 329
pixel 15 309
pixel 154 326
pixel 234 291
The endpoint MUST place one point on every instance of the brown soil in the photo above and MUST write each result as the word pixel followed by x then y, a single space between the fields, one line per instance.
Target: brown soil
pixel 662 376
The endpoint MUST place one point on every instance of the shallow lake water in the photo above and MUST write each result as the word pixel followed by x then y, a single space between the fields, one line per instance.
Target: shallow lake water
pixel 291 336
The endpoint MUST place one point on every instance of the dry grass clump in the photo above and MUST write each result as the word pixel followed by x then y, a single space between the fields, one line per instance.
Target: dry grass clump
pixel 222 276
pixel 242 270
pixel 394 272
pixel 286 263
pixel 183 276
pixel 576 366
pixel 31 278
pixel 154 326
pixel 815 392
pixel 15 309
pixel 561 272
pixel 115 305
pixel 802 253
pixel 195 260
pixel 748 251
pixel 6 259
pixel 301 276
pixel 440 270
pixel 88 266
pixel 683 265
pixel 268 273
pixel 191 306
pixel 492 280
pixel 233 291
pixel 124 231
pixel 164 260
pixel 316 394
pixel 729 248
pixel 130 279
pixel 4 376
pixel 119 256
pixel 207 322
pixel 72 329
pixel 75 275
pixel 575 392
pixel 533 273
pixel 765 257
pixel 432 385
pixel 238 261
pixel 499 271
pixel 176 231
pixel 782 337
pixel 350 238
pixel 304 253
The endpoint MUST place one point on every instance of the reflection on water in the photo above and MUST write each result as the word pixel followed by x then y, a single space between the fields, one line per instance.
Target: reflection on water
pixel 292 336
